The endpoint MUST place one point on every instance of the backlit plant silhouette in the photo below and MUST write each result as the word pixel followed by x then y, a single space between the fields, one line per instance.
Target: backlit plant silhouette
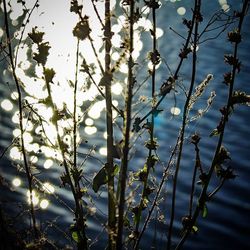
pixel 115 85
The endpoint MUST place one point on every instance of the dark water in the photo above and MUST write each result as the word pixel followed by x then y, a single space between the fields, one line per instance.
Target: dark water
pixel 227 225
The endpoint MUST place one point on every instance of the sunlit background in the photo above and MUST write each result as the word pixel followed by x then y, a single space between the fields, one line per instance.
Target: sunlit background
pixel 55 19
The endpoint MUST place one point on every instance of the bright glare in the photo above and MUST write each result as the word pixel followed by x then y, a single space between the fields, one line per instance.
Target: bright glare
pixel 48 188
pixel 124 68
pixel 7 105
pixel 48 164
pixel 115 56
pixel 89 122
pixel 181 11
pixel 15 154
pixel 14 95
pixel 150 65
pixel 192 47
pixel 44 204
pixel 90 130
pixel 175 111
pixel 35 198
pixel 34 159
pixel 105 135
pixel 95 110
pixel 225 7
pixel 159 32
pixel 103 151
pixel 116 88
pixel 16 182
pixel 16 132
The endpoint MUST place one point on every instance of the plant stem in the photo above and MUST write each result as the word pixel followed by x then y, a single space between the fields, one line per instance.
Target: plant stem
pixel 197 166
pixel 151 131
pixel 165 173
pixel 82 244
pixel 185 47
pixel 203 196
pixel 184 119
pixel 74 111
pixel 126 131
pixel 25 160
pixel 109 124
pixel 80 223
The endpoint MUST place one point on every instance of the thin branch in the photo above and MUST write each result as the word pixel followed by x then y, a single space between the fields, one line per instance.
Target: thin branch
pixel 109 125
pixel 24 27
pixel 203 196
pixel 97 13
pixel 126 132
pixel 195 20
pixel 25 160
pixel 149 163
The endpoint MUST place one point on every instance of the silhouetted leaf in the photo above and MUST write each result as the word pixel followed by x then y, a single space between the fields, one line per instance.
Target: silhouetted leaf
pixel 153 145
pixel 75 236
pixel 101 177
pixel 136 125
pixel 214 132
pixel 36 36
pixel 75 7
pixel 82 30
pixel 43 52
pixel 49 74
pixel 194 229
pixel 65 179
pixel 106 79
pixel 204 211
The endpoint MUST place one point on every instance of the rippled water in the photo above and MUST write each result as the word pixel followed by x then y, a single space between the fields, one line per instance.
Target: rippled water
pixel 227 224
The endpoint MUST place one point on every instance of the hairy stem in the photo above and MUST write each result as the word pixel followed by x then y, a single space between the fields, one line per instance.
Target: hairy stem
pixel 126 131
pixel 109 125
pixel 196 167
pixel 184 119
pixel 203 196
pixel 80 223
pixel 82 244
pixel 166 170
pixel 151 131
pixel 23 150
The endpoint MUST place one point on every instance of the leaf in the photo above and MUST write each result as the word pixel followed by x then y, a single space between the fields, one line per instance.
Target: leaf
pixel 116 151
pixel 137 214
pixel 101 177
pixel 49 74
pixel 82 30
pixel 65 179
pixel 76 174
pixel 106 79
pixel 204 211
pixel 167 86
pixel 75 236
pixel 240 97
pixel 214 132
pixel 75 7
pixel 136 125
pixel 36 36
pixel 195 229
pixel 153 145
pixel 43 52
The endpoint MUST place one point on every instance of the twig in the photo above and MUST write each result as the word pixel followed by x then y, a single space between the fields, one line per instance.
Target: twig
pixel 196 21
pixel 26 165
pixel 151 130
pixel 109 125
pixel 203 196
pixel 126 132
pixel 97 14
